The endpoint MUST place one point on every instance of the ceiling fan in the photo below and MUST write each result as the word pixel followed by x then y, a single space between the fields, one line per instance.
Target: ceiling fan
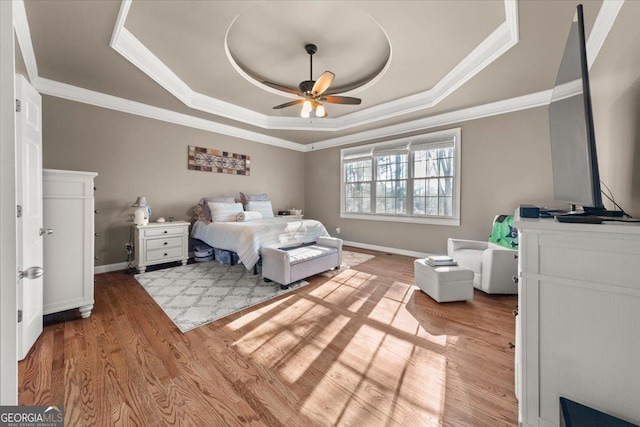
pixel 312 92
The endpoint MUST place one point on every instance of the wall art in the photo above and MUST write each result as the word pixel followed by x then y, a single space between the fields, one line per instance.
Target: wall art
pixel 217 161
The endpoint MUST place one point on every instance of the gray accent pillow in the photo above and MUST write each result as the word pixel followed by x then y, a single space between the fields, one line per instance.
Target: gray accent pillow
pixel 246 198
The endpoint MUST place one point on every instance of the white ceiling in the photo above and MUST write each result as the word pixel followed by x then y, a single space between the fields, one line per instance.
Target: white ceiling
pixel 201 62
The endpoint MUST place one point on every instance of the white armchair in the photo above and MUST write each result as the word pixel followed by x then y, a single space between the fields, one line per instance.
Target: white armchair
pixel 493 265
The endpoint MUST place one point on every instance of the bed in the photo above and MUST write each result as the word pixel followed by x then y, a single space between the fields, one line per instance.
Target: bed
pixel 246 238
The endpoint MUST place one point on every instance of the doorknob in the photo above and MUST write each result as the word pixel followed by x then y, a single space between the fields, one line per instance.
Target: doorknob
pixel 44 231
pixel 30 273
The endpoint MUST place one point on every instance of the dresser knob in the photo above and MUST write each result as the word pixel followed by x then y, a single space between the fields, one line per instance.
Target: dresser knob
pixel 165 243
pixel 166 254
pixel 96 234
pixel 515 279
pixel 96 211
pixel 511 345
pixel 165 231
pixel 515 256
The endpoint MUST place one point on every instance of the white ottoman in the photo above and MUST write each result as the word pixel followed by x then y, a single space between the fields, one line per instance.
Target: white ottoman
pixel 444 284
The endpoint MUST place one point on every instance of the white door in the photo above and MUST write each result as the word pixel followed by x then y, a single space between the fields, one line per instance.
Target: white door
pixel 8 220
pixel 29 195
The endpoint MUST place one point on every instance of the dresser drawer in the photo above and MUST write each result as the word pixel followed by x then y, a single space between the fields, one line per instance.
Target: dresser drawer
pixel 160 254
pixel 163 231
pixel 169 242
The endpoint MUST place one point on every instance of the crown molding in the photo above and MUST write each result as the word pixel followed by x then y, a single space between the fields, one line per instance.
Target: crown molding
pixel 127 45
pixel 498 42
pixel 601 27
pixel 23 34
pixel 495 108
pixel 74 93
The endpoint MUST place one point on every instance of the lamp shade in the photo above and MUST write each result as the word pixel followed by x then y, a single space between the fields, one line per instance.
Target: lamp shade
pixel 140 202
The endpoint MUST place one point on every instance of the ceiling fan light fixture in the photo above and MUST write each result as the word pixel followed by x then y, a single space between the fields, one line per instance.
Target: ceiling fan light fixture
pixel 311 92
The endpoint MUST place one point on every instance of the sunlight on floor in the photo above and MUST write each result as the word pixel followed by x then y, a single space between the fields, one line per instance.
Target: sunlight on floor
pixel 354 351
pixel 252 315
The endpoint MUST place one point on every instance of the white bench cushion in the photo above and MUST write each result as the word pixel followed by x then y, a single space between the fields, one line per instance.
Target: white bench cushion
pixel 306 253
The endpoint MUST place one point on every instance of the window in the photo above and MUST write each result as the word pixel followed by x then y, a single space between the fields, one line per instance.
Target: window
pixel 409 180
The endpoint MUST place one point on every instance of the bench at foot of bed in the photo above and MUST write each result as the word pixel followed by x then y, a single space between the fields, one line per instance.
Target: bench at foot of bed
pixel 285 266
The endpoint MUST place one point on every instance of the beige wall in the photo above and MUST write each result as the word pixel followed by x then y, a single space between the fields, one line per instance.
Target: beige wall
pixel 505 162
pixel 135 156
pixel 615 88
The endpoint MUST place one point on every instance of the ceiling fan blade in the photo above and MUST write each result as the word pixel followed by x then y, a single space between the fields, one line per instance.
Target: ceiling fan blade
pixel 341 100
pixel 322 83
pixel 283 88
pixel 289 104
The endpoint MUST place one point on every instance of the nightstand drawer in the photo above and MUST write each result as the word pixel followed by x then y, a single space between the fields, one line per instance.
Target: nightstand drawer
pixel 169 242
pixel 164 231
pixel 160 254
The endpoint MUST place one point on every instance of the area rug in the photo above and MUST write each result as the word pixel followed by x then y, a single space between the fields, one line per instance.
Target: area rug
pixel 196 294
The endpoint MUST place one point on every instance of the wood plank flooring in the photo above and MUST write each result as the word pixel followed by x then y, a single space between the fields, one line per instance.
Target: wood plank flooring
pixel 364 348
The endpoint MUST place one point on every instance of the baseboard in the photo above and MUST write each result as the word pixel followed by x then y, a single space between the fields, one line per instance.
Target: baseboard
pixel 108 268
pixel 386 249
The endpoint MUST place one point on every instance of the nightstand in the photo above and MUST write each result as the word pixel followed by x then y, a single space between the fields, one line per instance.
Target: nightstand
pixel 291 216
pixel 161 242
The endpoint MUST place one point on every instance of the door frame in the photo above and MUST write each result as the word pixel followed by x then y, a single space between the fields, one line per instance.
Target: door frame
pixel 8 219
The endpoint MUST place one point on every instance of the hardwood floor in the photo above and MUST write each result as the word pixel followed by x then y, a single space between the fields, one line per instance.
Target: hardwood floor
pixel 364 348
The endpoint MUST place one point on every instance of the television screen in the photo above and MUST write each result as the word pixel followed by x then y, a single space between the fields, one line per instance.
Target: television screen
pixel 573 152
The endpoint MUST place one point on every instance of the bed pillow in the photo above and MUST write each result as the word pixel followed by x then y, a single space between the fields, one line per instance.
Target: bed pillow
pixel 224 212
pixel 246 198
pixel 264 207
pixel 204 207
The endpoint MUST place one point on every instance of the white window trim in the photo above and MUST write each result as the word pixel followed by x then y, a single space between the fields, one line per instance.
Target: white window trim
pixel 454 220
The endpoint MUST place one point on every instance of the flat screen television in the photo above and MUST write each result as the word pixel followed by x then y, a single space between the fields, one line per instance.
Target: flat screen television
pixel 576 178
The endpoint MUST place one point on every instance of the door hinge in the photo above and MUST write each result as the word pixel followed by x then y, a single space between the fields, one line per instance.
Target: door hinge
pixel 19 316
pixel 18 106
pixel 19 211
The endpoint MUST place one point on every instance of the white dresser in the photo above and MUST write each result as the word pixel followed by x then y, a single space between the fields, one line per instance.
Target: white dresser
pixel 68 211
pixel 578 328
pixel 161 242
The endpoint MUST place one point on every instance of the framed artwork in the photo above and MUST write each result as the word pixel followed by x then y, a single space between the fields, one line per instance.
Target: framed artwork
pixel 216 161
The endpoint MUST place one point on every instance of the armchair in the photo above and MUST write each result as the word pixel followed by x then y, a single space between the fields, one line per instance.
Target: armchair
pixel 494 263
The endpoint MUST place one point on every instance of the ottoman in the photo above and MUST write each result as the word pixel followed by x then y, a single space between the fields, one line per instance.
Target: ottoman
pixel 444 284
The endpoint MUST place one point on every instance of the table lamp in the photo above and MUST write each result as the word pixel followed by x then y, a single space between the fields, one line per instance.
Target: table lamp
pixel 143 213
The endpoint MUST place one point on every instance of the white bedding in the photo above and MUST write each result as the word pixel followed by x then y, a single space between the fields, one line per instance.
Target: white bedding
pixel 246 238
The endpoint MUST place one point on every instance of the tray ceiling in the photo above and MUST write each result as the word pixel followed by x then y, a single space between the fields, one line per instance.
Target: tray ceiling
pixel 421 59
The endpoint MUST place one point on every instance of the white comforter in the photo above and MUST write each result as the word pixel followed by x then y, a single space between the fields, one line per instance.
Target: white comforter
pixel 246 238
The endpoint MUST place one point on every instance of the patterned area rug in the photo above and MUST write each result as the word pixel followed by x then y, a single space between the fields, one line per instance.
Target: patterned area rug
pixel 196 294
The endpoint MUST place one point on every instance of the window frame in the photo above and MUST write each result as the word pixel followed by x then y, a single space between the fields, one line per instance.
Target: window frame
pixel 369 150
